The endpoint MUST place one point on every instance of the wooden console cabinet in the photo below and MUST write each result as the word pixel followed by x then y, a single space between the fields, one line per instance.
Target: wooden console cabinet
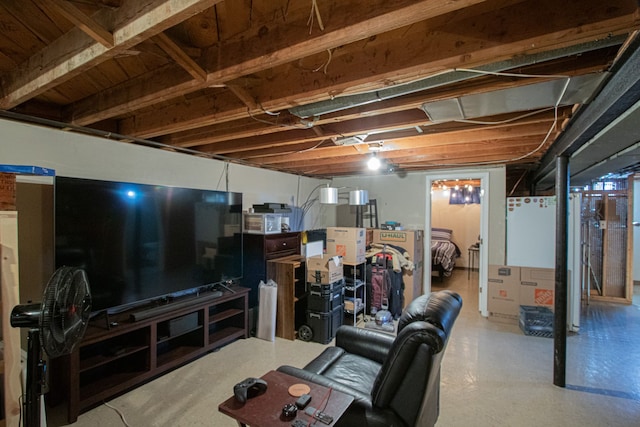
pixel 117 354
pixel 260 248
pixel 290 275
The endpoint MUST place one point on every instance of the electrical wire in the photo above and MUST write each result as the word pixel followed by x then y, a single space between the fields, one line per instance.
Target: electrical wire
pixel 323 405
pixel 524 156
pixel 314 12
pixel 225 171
pixel 505 74
pixel 547 135
pixel 322 66
pixel 502 122
pixel 124 420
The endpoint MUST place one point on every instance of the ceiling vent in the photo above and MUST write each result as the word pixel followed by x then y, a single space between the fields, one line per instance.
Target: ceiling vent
pixel 350 140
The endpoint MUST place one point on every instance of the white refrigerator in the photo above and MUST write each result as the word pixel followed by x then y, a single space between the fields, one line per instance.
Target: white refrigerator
pixel 531 240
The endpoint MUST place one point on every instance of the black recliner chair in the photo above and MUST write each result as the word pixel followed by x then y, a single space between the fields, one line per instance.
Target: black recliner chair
pixel 395 380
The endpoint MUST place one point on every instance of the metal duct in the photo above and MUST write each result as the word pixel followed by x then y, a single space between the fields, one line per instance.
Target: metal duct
pixel 523 98
pixel 448 77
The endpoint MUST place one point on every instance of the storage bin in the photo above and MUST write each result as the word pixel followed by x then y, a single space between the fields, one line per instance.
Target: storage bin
pixel 325 324
pixel 262 223
pixel 536 321
pixel 325 300
pixel 326 287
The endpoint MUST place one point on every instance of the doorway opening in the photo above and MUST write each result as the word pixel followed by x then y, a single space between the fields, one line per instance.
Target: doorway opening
pixel 463 225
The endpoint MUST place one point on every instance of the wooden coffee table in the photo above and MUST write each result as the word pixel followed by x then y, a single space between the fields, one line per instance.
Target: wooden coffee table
pixel 265 410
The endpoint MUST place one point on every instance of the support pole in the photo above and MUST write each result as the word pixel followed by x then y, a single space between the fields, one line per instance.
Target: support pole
pixel 560 302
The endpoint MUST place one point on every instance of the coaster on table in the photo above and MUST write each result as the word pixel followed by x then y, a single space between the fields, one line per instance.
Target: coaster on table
pixel 297 390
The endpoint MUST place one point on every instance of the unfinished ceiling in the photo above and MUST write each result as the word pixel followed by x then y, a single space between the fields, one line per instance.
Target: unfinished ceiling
pixel 315 87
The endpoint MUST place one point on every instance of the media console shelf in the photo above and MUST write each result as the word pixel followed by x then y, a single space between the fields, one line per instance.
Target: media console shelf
pixel 111 361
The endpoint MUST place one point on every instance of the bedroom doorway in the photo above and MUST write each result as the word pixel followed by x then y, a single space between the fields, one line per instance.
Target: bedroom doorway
pixel 477 221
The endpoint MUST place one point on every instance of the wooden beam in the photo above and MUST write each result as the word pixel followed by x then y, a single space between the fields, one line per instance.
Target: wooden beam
pixel 180 56
pixel 443 156
pixel 249 127
pixel 244 96
pixel 75 52
pixel 411 146
pixel 393 59
pixel 220 139
pixel 268 44
pixel 84 22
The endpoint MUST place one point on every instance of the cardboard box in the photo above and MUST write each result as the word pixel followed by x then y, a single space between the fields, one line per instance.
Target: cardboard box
pixel 348 242
pixel 324 269
pixel 537 287
pixel 412 241
pixel 351 251
pixel 346 233
pixel 503 297
pixel 369 238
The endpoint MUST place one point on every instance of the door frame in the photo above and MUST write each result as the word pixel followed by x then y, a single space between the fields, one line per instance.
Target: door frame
pixel 484 229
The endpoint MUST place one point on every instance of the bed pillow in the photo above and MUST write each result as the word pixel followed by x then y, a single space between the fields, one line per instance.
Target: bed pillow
pixel 441 234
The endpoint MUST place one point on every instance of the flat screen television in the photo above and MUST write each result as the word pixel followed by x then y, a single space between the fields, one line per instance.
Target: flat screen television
pixel 139 243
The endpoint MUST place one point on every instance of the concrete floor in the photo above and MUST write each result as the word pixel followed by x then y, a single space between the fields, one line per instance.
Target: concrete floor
pixel 492 375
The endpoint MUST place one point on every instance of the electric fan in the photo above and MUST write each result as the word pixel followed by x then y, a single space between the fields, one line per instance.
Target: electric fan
pixel 57 324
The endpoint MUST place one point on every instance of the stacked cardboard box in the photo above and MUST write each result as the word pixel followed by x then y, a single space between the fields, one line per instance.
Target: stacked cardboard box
pixel 513 286
pixel 503 299
pixel 322 269
pixel 348 242
pixel 325 303
pixel 537 286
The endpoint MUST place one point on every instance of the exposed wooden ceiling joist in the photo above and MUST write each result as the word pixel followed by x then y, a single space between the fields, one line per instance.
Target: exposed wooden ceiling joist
pixel 227 78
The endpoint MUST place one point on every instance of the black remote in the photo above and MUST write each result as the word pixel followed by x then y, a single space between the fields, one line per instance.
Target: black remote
pixel 303 401
pixel 299 423
pixel 319 415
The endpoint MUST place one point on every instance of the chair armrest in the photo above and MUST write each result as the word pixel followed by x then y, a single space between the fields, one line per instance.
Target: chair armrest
pixel 373 345
pixel 360 397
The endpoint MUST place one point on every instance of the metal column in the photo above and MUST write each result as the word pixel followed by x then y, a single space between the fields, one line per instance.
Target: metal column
pixel 560 302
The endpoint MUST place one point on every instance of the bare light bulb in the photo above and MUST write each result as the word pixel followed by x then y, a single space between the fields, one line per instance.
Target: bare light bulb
pixel 373 163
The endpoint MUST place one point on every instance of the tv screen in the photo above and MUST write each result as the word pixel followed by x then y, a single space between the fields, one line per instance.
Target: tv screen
pixel 138 242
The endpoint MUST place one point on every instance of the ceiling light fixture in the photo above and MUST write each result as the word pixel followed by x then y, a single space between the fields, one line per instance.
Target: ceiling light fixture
pixel 373 163
pixel 376 146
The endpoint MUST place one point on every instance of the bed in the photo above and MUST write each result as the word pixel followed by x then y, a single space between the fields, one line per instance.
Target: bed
pixel 444 252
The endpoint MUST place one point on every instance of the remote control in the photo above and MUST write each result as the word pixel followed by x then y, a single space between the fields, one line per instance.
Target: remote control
pixel 303 401
pixel 319 415
pixel 299 423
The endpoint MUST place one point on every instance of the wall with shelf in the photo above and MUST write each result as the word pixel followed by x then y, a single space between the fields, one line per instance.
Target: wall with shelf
pixel 111 360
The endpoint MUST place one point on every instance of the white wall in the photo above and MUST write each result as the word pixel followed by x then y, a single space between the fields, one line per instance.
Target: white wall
pixel 81 156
